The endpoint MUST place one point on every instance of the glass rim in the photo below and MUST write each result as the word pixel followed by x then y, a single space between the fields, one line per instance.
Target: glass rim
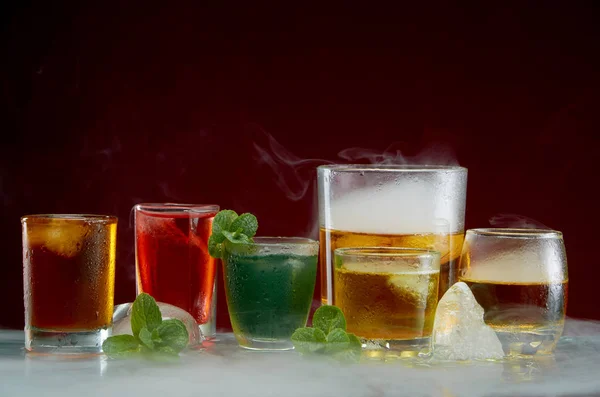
pixel 71 217
pixel 392 168
pixel 515 233
pixel 376 252
pixel 275 241
pixel 162 208
pixel 273 245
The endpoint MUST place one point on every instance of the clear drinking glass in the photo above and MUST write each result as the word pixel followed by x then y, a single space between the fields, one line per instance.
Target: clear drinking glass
pixel 391 206
pixel 269 287
pixel 68 279
pixel 172 260
pixel 519 277
pixel 388 295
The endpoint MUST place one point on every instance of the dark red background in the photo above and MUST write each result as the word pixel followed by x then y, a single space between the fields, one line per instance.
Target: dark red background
pixel 105 107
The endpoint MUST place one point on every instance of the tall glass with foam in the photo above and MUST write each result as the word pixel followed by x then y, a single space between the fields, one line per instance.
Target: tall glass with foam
pixel 391 206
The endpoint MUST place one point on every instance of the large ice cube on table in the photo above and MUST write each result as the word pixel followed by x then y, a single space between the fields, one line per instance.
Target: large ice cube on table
pixel 122 321
pixel 459 332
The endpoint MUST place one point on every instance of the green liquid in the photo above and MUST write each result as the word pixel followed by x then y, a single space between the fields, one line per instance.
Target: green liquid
pixel 268 296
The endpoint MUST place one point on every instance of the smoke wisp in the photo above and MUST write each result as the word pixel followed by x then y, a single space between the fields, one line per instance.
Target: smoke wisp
pixel 515 221
pixel 435 154
pixel 294 175
pixel 291 174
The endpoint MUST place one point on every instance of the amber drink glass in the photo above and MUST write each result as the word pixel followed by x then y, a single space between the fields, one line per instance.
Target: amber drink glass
pixel 68 278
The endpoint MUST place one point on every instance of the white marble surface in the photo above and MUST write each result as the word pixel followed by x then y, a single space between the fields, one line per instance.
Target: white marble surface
pixel 227 370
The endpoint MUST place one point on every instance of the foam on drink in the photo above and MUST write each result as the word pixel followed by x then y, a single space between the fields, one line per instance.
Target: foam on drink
pixel 406 206
pixel 518 267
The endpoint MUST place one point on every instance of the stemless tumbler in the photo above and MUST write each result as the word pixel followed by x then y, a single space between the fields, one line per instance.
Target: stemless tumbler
pixel 269 286
pixel 388 295
pixel 68 278
pixel 519 277
pixel 391 206
pixel 172 260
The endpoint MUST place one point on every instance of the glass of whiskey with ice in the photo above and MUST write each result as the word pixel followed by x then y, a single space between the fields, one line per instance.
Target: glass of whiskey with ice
pixel 388 296
pixel 519 277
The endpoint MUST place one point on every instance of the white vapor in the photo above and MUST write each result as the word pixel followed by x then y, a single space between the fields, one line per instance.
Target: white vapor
pixel 291 174
pixel 232 371
pixel 435 154
pixel 515 221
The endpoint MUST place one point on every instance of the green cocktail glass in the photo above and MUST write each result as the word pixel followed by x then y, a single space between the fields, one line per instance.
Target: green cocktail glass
pixel 269 286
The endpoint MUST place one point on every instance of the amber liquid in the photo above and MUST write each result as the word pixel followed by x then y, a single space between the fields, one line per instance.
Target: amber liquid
pixel 69 271
pixel 528 317
pixel 172 260
pixel 449 246
pixel 389 306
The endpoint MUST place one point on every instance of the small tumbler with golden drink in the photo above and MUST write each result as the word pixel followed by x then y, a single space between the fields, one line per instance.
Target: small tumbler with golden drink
pixel 388 295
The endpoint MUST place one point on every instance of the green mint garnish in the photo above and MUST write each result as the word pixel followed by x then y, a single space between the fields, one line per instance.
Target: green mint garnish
pixel 328 336
pixel 228 226
pixel 144 313
pixel 309 340
pixel 152 336
pixel 145 337
pixel 121 346
pixel 172 333
pixel 329 318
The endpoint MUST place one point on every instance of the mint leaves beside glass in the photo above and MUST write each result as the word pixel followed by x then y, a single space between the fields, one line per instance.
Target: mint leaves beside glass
pixel 328 336
pixel 229 226
pixel 152 336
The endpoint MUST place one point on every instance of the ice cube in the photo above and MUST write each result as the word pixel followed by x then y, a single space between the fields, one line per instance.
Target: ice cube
pixel 296 264
pixel 459 332
pixel 60 237
pixel 402 206
pixel 122 320
pixel 414 286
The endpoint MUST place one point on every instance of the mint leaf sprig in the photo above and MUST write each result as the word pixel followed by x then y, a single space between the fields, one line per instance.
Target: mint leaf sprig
pixel 328 336
pixel 230 226
pixel 152 336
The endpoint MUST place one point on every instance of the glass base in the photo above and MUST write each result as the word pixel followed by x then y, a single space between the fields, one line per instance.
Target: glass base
pixel 525 344
pixel 265 344
pixel 404 348
pixel 208 330
pixel 56 342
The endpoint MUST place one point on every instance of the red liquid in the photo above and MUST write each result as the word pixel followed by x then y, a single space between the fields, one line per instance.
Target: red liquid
pixel 173 264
